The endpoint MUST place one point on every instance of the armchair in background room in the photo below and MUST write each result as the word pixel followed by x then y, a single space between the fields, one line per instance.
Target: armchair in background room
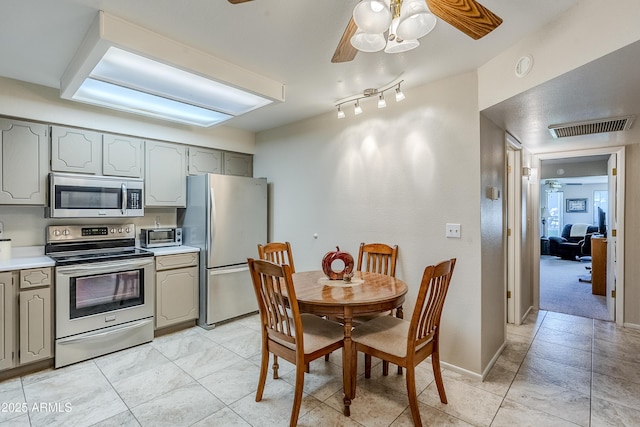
pixel 569 244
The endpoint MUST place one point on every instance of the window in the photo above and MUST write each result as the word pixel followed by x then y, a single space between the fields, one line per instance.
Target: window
pixel 555 202
pixel 600 200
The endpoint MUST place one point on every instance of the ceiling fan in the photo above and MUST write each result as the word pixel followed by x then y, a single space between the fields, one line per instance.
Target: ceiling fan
pixel 468 16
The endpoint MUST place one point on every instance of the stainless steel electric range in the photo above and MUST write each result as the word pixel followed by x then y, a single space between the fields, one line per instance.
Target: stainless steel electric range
pixel 104 290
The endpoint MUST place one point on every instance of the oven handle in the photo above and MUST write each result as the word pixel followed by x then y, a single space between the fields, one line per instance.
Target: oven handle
pixel 112 329
pixel 104 266
pixel 124 198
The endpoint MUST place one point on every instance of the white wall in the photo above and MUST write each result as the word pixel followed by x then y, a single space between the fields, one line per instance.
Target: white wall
pixel 396 175
pixel 587 31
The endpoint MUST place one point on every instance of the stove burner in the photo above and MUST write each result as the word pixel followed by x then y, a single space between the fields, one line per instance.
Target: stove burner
pixel 75 244
pixel 110 254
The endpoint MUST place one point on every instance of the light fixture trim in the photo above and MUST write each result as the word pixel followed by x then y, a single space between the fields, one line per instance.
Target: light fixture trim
pixel 369 93
pixel 109 34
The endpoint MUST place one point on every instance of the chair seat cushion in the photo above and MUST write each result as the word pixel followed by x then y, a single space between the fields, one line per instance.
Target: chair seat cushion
pixel 317 333
pixel 385 333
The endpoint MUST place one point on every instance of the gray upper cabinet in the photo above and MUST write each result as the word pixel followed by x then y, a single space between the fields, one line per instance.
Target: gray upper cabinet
pixel 122 156
pixel 238 164
pixel 204 160
pixel 24 165
pixel 165 174
pixel 76 150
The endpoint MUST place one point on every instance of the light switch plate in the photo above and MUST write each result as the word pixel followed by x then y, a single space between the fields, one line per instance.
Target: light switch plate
pixel 452 230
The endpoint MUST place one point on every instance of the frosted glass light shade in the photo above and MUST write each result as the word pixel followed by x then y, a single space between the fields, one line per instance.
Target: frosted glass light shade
pixel 372 16
pixel 368 42
pixel 415 20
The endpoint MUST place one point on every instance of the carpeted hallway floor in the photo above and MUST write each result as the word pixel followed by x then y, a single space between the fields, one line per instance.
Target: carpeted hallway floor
pixel 562 292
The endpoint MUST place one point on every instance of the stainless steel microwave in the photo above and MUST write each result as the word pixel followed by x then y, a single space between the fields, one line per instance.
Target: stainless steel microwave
pixel 87 196
pixel 159 237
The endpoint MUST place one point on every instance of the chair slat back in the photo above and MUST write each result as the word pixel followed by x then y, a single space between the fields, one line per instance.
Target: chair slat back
pixel 425 322
pixel 378 258
pixel 277 252
pixel 274 288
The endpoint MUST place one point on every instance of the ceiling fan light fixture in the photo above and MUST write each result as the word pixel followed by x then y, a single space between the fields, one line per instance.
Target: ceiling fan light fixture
pixel 395 46
pixel 416 20
pixel 372 16
pixel 368 42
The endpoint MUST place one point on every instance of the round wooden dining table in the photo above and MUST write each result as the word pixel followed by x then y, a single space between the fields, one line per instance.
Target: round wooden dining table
pixel 367 293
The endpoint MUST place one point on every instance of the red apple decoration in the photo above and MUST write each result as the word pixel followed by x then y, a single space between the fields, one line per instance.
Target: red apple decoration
pixel 332 256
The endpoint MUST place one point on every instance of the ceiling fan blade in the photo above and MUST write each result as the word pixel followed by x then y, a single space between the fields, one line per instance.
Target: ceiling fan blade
pixel 238 1
pixel 345 52
pixel 468 16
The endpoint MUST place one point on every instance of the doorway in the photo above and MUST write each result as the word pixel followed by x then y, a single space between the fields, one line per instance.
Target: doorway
pixel 573 202
pixel 615 226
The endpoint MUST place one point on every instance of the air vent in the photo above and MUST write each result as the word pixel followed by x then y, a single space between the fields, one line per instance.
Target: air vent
pixel 613 124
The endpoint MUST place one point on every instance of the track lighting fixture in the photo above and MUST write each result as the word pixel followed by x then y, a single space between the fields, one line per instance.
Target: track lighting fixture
pixel 368 93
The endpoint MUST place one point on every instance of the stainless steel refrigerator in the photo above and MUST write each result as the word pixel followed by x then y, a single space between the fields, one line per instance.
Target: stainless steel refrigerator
pixel 226 217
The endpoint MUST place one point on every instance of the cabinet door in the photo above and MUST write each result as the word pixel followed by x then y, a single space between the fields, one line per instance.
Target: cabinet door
pixel 165 170
pixel 121 156
pixel 35 325
pixel 204 160
pixel 238 164
pixel 176 296
pixel 76 150
pixel 24 158
pixel 6 317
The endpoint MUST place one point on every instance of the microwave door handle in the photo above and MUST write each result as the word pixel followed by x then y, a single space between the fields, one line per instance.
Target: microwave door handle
pixel 124 198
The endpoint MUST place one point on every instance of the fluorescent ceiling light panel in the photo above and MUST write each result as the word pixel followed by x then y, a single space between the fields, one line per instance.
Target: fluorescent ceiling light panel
pixel 179 84
pixel 121 98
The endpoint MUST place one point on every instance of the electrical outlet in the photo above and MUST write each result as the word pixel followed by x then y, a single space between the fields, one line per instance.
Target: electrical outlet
pixel 452 230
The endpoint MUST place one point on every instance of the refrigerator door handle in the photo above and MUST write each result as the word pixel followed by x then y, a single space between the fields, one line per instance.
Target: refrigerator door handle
pixel 240 269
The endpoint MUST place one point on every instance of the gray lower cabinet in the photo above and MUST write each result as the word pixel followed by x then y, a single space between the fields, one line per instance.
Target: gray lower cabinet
pixel 24 162
pixel 204 160
pixel 76 150
pixel 176 288
pixel 8 324
pixel 27 326
pixel 238 164
pixel 36 322
pixel 165 174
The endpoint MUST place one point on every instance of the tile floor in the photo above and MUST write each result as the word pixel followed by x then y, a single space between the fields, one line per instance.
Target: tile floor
pixel 557 370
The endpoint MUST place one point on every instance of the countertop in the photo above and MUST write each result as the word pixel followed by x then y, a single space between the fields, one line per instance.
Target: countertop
pixel 171 250
pixel 26 257
pixel 33 256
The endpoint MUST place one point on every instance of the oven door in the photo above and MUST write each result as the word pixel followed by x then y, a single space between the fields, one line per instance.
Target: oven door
pixel 91 296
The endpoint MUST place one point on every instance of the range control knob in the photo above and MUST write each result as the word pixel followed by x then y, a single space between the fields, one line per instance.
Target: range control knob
pixel 56 232
pixel 127 230
pixel 119 230
pixel 65 232
pixel 113 230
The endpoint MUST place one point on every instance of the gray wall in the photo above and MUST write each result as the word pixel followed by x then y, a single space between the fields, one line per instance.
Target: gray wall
pixel 396 175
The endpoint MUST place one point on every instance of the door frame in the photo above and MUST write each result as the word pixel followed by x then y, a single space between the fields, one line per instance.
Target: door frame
pixel 513 233
pixel 620 199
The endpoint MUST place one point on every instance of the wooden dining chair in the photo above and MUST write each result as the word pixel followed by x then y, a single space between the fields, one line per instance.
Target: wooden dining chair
pixel 278 252
pixel 407 343
pixel 378 258
pixel 297 338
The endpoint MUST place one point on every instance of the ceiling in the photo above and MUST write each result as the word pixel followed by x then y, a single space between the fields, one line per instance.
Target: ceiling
pixel 289 41
pixel 293 41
